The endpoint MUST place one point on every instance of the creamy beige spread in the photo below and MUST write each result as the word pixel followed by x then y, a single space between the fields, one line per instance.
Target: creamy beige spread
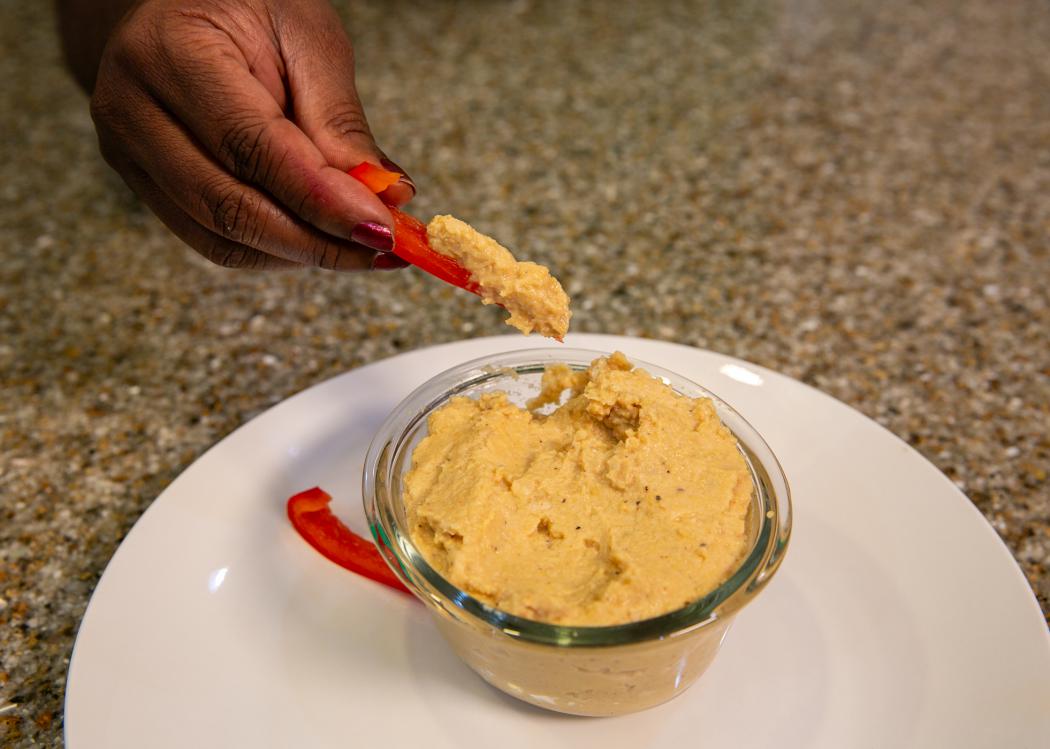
pixel 627 501
pixel 532 296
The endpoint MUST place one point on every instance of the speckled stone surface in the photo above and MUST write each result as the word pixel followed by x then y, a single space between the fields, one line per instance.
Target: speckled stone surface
pixel 857 195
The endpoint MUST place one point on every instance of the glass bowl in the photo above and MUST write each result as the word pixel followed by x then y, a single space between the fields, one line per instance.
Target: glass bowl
pixel 606 670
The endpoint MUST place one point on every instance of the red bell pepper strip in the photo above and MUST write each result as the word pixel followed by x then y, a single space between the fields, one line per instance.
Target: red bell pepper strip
pixel 410 234
pixel 315 522
pixel 373 177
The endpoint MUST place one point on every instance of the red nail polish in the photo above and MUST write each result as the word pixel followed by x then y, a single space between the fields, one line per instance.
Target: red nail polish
pixel 373 235
pixel 388 261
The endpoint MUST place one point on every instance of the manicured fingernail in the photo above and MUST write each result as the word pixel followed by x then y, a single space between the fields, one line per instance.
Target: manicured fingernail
pixel 391 166
pixel 388 261
pixel 373 235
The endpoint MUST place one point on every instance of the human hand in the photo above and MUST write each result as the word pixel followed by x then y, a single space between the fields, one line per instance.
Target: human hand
pixel 236 122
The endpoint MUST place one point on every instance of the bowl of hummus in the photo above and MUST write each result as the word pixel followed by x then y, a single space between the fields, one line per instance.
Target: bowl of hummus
pixel 582 527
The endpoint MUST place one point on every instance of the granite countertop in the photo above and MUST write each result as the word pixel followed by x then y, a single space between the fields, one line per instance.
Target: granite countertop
pixel 857 195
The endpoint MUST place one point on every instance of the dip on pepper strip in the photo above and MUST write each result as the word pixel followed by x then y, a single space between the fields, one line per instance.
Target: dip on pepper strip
pixel 458 254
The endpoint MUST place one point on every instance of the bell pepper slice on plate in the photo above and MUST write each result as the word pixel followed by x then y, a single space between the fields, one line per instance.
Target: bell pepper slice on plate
pixel 312 518
pixel 410 234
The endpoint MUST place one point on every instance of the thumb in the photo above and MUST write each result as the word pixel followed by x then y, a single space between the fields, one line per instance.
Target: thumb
pixel 320 67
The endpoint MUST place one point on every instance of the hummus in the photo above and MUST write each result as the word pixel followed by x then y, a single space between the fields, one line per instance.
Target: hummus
pixel 532 296
pixel 625 502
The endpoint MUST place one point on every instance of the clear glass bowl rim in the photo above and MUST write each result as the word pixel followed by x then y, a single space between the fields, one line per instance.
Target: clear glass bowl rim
pixel 415 572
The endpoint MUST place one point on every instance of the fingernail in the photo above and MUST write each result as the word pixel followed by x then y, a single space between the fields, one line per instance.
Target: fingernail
pixel 388 261
pixel 373 235
pixel 391 166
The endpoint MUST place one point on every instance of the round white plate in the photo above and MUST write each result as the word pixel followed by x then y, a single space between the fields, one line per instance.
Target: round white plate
pixel 898 619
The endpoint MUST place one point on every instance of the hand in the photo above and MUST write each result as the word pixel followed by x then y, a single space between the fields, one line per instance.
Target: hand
pixel 236 122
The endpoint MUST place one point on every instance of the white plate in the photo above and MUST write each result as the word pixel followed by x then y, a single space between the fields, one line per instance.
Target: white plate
pixel 899 618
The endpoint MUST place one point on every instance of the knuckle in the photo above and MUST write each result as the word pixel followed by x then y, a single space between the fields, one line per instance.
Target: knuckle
pixel 136 43
pixel 328 257
pixel 123 50
pixel 233 212
pixel 174 27
pixel 346 122
pixel 112 113
pixel 226 255
pixel 234 258
pixel 319 253
pixel 105 105
pixel 244 149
